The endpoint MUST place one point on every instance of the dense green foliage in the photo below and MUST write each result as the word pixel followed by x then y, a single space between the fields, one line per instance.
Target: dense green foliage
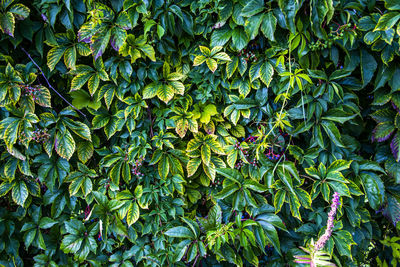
pixel 201 133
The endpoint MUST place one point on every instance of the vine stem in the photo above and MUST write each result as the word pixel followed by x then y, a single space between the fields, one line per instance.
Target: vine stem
pixel 51 87
pixel 197 257
pixel 285 98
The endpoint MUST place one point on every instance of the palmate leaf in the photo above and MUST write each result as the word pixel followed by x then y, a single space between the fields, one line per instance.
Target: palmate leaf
pixel 150 90
pixel 20 192
pixel 180 232
pixel 99 43
pixel 198 60
pixel 268 26
pixel 70 57
pixel 395 146
pixel 7 23
pixel 20 11
pixel 212 64
pixel 266 73
pixel 11 132
pixel 54 56
pixel 192 166
pixel 182 126
pixel 148 50
pixel 133 213
pixel 64 144
pixel 43 98
pixel 163 167
pixel 165 92
pixel 84 150
pixel 383 131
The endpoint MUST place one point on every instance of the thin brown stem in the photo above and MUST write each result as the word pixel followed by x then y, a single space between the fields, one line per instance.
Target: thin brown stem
pixel 50 86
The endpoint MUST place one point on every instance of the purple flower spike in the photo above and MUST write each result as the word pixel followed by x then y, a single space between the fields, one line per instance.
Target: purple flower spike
pixel 44 18
pixel 329 227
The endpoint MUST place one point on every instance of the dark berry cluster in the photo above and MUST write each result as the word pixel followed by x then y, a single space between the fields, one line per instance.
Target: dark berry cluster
pixel 216 182
pixel 276 155
pixel 87 211
pixel 250 139
pixel 244 151
pixel 254 162
pixel 33 91
pixel 246 216
pixel 248 55
pixel 107 184
pixel 239 164
pixel 254 46
pixel 136 167
pixel 39 136
pixel 271 155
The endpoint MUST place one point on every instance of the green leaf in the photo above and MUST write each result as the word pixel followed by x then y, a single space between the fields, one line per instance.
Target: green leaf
pixel 266 73
pixel 198 60
pixel 222 56
pixel 231 174
pixel 252 26
pixel 20 193
pixel 387 21
pixel 46 223
pixel 85 150
pixel 64 144
pixel 20 11
pixel 205 50
pixel 165 92
pixel 7 23
pixel 54 56
pixel 163 167
pixel 339 165
pixel 392 4
pixel 368 67
pixel 374 188
pixel 239 38
pixel 220 37
pixel 231 67
pixel 253 7
pixel 99 43
pixel 255 186
pixel 192 166
pixel 279 199
pixel 333 132
pixel 148 50
pixel 343 242
pixel 383 131
pixel 150 90
pixel 180 232
pixel 212 64
pixel 11 133
pixel 43 98
pixel 340 187
pixel 79 128
pixel 338 115
pixel 227 191
pixel 268 26
pixel 254 71
pixel 70 57
pixel 133 213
